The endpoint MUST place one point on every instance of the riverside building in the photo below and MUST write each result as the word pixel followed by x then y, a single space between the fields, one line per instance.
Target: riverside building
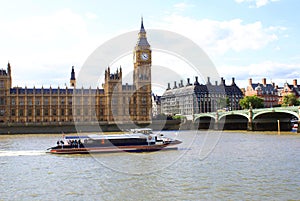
pixel 267 92
pixel 197 98
pixel 113 103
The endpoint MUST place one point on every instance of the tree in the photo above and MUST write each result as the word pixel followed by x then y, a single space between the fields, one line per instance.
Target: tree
pixel 222 102
pixel 253 101
pixel 289 100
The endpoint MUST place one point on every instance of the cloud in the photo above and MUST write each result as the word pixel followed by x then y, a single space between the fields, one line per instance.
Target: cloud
pixel 182 6
pixel 272 70
pixel 42 49
pixel 91 15
pixel 219 37
pixel 258 3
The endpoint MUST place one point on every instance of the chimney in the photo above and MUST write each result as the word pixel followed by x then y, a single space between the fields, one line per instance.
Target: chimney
pixel 168 86
pixel 196 81
pixel 295 82
pixel 250 81
pixel 208 80
pixel 216 82
pixel 222 81
pixel 264 81
pixel 233 82
pixel 181 83
pixel 188 82
pixel 175 85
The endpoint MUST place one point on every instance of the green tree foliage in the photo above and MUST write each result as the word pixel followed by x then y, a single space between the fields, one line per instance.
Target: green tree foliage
pixel 290 100
pixel 253 101
pixel 223 102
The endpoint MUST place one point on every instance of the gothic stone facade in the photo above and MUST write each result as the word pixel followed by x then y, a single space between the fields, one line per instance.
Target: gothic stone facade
pixel 113 103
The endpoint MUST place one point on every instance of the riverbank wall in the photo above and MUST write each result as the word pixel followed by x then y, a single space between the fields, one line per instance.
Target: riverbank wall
pixel 70 127
pixel 157 125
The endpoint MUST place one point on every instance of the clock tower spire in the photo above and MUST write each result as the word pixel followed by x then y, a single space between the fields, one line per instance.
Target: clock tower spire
pixel 142 76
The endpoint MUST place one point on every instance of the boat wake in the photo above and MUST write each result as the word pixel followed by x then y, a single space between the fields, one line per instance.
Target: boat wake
pixel 22 153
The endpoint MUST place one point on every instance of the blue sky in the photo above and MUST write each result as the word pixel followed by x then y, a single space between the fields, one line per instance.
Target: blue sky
pixel 243 38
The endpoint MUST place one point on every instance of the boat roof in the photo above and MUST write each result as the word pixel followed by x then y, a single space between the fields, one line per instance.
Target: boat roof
pixel 97 136
pixel 142 130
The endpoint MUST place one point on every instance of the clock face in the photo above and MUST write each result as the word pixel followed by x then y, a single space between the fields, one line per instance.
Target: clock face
pixel 144 56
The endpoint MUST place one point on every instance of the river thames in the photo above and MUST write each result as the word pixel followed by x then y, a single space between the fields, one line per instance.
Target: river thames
pixel 207 166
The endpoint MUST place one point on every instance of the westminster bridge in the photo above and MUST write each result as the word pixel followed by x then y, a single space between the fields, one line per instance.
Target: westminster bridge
pixel 270 119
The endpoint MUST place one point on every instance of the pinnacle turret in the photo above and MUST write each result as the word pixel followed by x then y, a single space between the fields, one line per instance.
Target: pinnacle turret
pixel 142 30
pixel 142 40
pixel 73 79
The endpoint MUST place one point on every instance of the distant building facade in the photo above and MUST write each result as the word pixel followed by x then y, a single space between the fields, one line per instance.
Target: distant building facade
pixel 156 105
pixel 291 89
pixel 115 102
pixel 196 98
pixel 268 92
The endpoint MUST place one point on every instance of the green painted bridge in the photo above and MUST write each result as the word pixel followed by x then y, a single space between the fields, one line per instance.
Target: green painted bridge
pixel 252 119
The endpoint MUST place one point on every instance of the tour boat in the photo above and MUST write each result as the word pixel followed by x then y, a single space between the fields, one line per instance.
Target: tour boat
pixel 138 140
pixel 295 128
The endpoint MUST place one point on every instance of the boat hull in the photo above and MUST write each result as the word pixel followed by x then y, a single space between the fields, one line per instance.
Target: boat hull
pixel 112 149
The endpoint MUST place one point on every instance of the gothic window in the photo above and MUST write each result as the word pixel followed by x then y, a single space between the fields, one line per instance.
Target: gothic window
pixel 78 100
pixel 21 101
pixel 93 100
pixel 13 112
pixel 54 112
pixel 37 101
pixel 29 101
pixel 54 101
pixel 2 101
pixel 2 84
pixel 46 101
pixel 86 100
pixel 144 111
pixel 86 112
pixel 114 101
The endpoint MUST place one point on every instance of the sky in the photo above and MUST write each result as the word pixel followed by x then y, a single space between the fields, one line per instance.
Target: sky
pixel 244 39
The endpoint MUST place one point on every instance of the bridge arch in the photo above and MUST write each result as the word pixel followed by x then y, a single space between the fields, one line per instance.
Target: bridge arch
pixel 205 121
pixel 268 120
pixel 234 113
pixel 233 122
pixel 295 114
pixel 213 116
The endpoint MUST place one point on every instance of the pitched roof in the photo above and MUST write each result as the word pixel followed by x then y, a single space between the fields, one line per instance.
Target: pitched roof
pixel 266 89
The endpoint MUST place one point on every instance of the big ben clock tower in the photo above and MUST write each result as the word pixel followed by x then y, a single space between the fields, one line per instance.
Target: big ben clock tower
pixel 142 77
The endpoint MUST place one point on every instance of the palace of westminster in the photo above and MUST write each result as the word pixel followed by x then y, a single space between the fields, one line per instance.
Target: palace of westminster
pixel 26 105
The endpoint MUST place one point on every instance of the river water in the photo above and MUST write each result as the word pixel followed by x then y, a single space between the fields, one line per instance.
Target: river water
pixel 207 166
